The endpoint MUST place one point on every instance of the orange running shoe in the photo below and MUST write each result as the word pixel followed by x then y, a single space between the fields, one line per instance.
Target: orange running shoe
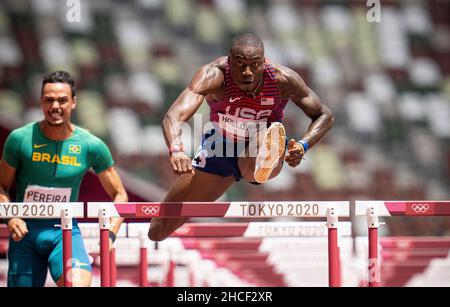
pixel 271 150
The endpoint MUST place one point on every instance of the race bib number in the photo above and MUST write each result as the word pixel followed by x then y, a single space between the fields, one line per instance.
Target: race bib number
pixel 200 158
pixel 240 127
pixel 38 194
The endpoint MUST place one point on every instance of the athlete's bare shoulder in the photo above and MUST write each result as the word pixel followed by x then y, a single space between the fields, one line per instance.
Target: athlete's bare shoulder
pixel 289 82
pixel 220 63
pixel 210 77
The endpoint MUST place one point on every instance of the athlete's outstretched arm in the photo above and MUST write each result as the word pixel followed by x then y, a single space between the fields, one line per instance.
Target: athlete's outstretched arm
pixel 204 82
pixel 112 184
pixel 322 119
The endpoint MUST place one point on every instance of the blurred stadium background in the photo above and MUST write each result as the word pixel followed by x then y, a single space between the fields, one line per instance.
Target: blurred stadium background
pixel 387 83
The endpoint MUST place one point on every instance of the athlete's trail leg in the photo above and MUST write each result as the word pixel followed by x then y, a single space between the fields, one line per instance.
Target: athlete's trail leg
pixel 199 187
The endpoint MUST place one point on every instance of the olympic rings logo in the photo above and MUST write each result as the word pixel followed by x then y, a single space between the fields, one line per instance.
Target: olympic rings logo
pixel 150 210
pixel 420 208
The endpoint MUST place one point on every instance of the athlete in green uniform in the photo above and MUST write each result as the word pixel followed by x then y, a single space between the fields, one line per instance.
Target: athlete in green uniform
pixel 48 161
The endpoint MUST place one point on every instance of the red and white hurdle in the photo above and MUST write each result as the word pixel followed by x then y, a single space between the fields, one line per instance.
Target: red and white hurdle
pixel 331 210
pixel 374 209
pixel 238 238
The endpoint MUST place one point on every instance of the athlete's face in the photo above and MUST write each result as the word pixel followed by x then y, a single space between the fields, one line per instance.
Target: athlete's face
pixel 247 67
pixel 57 103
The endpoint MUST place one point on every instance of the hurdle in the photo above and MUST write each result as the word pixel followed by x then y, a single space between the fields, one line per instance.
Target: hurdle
pixel 254 230
pixel 192 235
pixel 373 209
pixel 64 211
pixel 200 235
pixel 311 209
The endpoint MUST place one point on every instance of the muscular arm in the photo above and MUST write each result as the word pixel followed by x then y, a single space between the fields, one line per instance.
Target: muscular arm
pixel 208 79
pixel 293 87
pixel 112 184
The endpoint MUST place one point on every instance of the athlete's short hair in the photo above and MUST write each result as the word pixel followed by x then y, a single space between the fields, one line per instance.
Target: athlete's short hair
pixel 247 40
pixel 60 76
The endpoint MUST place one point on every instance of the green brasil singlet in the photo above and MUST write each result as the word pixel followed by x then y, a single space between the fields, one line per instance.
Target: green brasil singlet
pixel 49 171
pixel 40 161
